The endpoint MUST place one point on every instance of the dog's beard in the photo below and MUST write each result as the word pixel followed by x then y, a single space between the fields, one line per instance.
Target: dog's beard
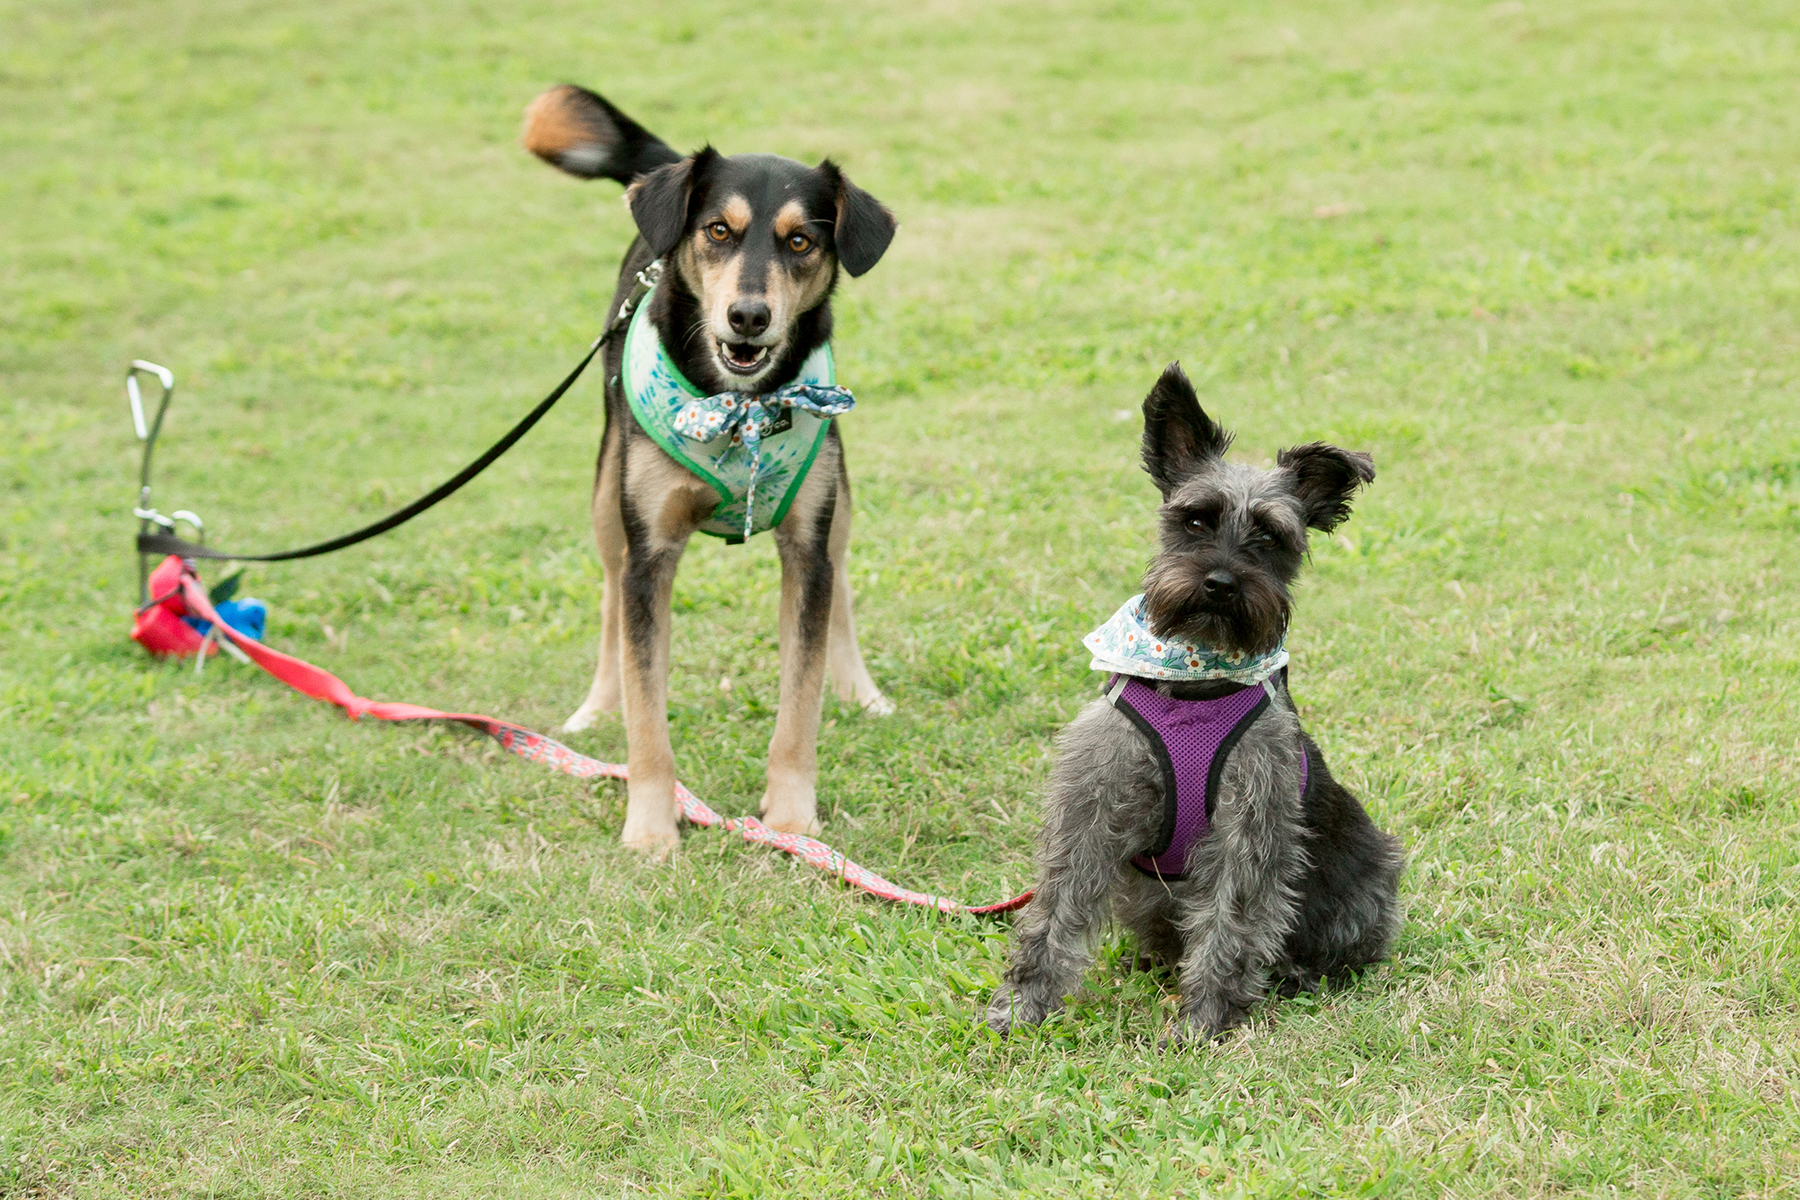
pixel 1251 622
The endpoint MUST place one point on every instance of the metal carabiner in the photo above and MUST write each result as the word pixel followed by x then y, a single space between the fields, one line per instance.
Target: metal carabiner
pixel 147 432
pixel 164 376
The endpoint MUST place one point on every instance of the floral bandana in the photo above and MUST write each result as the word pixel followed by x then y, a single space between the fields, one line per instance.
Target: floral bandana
pixel 729 414
pixel 754 451
pixel 1125 646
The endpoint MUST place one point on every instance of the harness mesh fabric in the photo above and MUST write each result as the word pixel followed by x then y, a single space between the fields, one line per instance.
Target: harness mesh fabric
pixel 1192 739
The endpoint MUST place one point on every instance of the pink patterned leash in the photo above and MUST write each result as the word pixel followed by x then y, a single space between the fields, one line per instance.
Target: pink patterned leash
pixel 552 753
pixel 321 684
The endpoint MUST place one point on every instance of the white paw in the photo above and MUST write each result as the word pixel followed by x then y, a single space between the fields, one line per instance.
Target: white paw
pixel 792 823
pixel 795 812
pixel 583 718
pixel 877 705
pixel 654 846
pixel 654 833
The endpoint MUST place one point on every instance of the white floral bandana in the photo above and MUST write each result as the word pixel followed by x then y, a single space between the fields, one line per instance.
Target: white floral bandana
pixel 1125 646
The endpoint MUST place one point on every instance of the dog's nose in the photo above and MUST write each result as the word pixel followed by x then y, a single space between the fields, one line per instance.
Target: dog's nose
pixel 749 318
pixel 1221 585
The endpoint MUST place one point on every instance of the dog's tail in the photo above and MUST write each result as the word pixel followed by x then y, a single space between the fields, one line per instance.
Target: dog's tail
pixel 582 133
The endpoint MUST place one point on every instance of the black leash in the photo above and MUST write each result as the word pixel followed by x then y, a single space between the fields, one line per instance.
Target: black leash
pixel 149 543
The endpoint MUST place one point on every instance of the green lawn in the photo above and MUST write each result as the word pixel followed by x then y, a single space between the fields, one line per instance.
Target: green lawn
pixel 1539 258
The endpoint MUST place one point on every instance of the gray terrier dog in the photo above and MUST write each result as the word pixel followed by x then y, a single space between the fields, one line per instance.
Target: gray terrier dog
pixel 1188 801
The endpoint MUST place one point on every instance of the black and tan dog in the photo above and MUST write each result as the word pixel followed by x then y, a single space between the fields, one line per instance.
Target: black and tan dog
pixel 751 246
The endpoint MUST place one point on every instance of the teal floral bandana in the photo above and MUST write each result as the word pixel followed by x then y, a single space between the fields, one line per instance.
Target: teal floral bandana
pixel 1125 646
pixel 754 451
pixel 729 414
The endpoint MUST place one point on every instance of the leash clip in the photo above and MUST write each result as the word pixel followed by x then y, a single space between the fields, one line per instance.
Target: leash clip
pixel 147 431
pixel 646 281
pixel 164 376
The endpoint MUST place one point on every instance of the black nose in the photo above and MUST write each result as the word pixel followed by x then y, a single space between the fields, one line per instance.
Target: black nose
pixel 1221 585
pixel 749 318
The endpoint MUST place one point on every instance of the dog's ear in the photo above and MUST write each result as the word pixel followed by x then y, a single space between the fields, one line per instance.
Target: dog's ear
pixel 582 133
pixel 864 225
pixel 1325 478
pixel 1178 436
pixel 660 200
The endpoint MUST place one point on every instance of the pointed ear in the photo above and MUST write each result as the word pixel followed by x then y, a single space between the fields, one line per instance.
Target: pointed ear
pixel 1325 478
pixel 659 201
pixel 864 225
pixel 1178 437
pixel 580 132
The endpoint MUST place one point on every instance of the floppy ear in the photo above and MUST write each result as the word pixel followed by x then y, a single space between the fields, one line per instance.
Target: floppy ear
pixel 864 225
pixel 1325 478
pixel 1178 437
pixel 582 133
pixel 659 201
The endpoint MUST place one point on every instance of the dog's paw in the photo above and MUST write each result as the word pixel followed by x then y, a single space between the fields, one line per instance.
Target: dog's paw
pixel 790 806
pixel 654 846
pixel 876 705
pixel 792 823
pixel 652 828
pixel 1009 1009
pixel 1289 986
pixel 1193 1030
pixel 1000 1011
pixel 582 718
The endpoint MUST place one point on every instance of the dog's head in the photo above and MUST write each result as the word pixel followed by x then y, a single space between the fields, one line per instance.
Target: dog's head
pixel 758 240
pixel 755 239
pixel 1233 536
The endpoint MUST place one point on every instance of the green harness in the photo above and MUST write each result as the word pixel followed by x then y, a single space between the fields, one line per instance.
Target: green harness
pixel 756 483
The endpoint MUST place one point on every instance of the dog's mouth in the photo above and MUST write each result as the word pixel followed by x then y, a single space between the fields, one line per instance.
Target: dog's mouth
pixel 741 358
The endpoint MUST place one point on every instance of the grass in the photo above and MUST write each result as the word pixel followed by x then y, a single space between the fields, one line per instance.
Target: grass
pixel 1539 258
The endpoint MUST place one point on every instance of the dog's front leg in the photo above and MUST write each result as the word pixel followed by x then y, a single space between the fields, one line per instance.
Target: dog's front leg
pixel 651 814
pixel 1101 797
pixel 790 803
pixel 660 506
pixel 1244 898
pixel 1056 935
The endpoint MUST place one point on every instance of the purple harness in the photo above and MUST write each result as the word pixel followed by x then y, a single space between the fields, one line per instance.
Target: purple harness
pixel 1192 738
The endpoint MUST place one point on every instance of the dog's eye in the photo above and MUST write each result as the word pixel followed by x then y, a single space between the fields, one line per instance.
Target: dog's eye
pixel 1261 539
pixel 1202 522
pixel 718 231
pixel 799 243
